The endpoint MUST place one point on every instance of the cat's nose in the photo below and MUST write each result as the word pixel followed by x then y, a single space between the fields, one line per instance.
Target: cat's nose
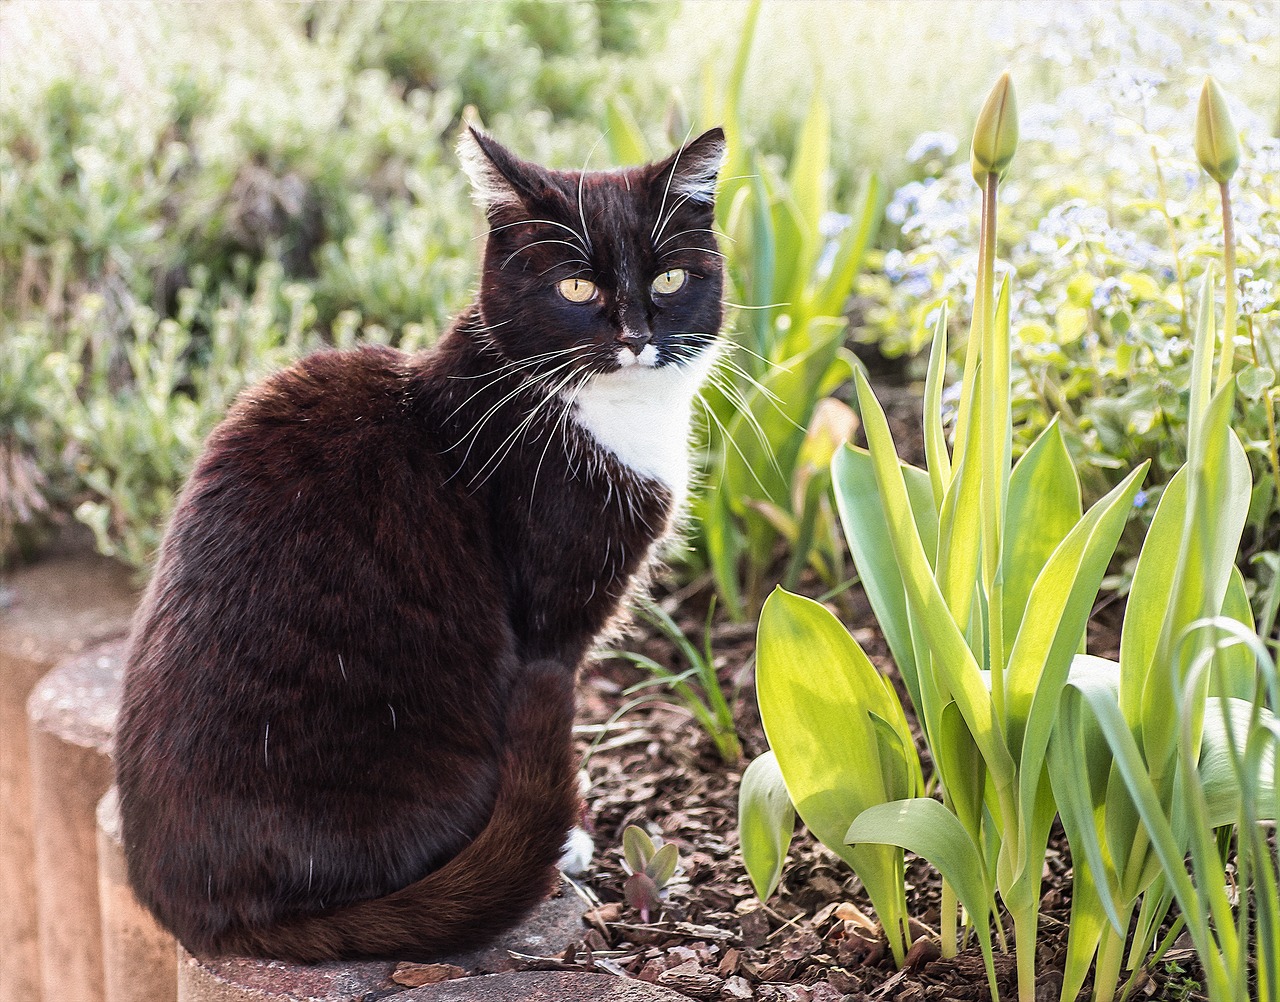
pixel 634 339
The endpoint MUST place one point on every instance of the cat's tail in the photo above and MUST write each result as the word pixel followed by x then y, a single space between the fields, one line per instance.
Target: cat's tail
pixel 491 884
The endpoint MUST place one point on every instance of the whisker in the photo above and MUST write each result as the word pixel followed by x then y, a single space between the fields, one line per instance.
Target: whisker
pixel 507 444
pixel 743 407
pixel 766 306
pixel 671 215
pixel 701 250
pixel 691 229
pixel 586 266
pixel 544 222
pixel 727 438
pixel 525 384
pixel 559 430
pixel 582 176
pixel 670 177
pixel 536 243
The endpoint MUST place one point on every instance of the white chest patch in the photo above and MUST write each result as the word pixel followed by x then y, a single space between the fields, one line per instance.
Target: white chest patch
pixel 641 414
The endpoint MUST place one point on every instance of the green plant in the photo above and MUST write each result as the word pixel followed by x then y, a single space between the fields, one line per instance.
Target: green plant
pixel 651 869
pixel 983 589
pixel 1108 227
pixel 982 575
pixel 134 411
pixel 839 743
pixel 706 702
pixel 1157 782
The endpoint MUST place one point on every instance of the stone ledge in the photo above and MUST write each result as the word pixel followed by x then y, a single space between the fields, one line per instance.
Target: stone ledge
pixel 542 986
pixel 239 979
pixel 551 927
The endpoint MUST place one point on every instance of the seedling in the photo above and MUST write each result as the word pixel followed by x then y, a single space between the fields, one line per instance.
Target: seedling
pixel 652 866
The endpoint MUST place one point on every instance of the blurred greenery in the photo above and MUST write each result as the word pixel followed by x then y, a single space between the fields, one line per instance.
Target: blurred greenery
pixel 192 194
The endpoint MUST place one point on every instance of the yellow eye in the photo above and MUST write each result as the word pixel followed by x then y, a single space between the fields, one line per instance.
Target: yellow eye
pixel 577 290
pixel 671 280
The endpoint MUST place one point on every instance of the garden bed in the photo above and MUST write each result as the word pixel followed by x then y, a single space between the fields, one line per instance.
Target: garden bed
pixel 655 768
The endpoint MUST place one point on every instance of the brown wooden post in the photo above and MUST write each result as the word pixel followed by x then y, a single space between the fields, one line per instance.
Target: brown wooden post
pixel 139 957
pixel 71 717
pixel 56 608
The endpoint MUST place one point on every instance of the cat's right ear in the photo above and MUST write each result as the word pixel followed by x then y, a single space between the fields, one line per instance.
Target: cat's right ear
pixel 500 179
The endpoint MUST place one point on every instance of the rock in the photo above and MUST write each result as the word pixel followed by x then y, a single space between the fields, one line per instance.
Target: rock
pixel 71 718
pixel 550 927
pixel 542 986
pixel 239 979
pixel 59 607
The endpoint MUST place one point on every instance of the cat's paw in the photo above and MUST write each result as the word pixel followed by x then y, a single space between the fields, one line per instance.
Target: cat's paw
pixel 575 858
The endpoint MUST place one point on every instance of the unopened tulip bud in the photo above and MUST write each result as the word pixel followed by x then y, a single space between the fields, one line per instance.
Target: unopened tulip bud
pixel 995 137
pixel 1217 145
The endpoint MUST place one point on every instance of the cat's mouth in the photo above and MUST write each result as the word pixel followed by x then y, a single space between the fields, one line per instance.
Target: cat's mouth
pixel 671 353
pixel 647 357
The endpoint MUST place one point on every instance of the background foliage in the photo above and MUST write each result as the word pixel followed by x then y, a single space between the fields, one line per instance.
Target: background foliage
pixel 191 197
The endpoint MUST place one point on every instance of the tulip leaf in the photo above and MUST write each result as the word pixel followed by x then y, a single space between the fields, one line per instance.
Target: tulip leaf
pixel 935 442
pixel 1222 738
pixel 1044 504
pixel 925 601
pixel 867 532
pixel 928 829
pixel 817 691
pixel 766 822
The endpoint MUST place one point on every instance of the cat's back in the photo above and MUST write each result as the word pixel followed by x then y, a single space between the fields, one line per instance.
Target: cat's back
pixel 319 508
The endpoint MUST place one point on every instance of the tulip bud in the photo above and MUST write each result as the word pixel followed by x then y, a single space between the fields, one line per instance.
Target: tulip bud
pixel 995 137
pixel 1217 146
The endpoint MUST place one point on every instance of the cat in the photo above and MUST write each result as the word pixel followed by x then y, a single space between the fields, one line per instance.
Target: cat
pixel 348 698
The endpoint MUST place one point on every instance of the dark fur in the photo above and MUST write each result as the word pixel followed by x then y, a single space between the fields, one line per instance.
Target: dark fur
pixel 347 709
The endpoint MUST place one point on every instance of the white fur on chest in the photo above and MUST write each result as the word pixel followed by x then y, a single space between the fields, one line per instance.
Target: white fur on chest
pixel 641 415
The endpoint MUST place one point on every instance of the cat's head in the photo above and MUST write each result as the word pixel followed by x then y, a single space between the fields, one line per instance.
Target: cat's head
pixel 589 273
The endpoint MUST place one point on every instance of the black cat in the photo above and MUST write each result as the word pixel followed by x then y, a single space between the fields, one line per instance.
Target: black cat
pixel 347 709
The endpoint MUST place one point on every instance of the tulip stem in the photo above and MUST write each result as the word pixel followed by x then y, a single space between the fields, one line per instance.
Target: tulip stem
pixel 1227 357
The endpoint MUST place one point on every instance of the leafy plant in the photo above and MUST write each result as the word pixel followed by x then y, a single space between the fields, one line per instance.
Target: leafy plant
pixel 983 589
pixel 134 411
pixel 1158 783
pixel 705 701
pixel 1109 226
pixel 839 743
pixel 651 867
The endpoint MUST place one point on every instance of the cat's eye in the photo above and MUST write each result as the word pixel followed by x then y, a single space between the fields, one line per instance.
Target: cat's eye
pixel 671 280
pixel 577 290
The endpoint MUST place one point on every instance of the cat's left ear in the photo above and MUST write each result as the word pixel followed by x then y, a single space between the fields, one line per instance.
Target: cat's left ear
pixel 498 177
pixel 692 170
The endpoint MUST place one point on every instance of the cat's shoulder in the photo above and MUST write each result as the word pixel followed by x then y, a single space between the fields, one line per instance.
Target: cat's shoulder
pixel 370 383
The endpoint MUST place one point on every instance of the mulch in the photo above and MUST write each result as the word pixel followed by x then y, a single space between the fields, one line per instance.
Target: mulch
pixel 813 940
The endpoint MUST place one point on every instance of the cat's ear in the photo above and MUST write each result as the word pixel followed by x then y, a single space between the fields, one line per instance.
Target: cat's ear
pixel 498 177
pixel 692 170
